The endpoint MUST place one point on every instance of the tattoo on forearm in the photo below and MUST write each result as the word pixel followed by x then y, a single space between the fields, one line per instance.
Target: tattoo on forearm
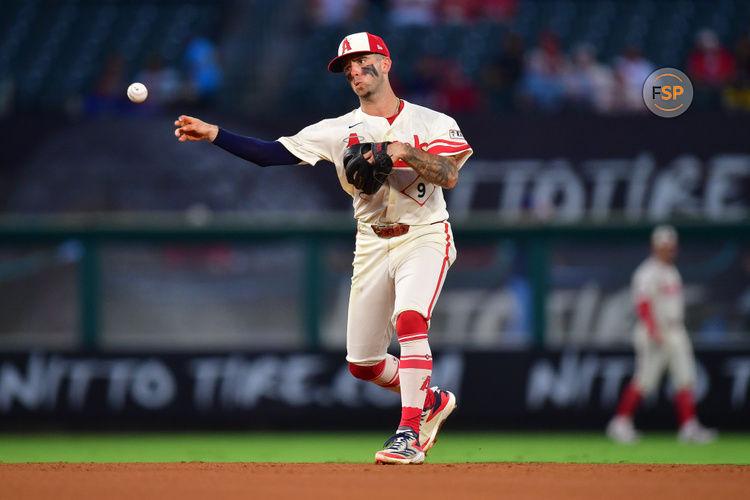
pixel 436 169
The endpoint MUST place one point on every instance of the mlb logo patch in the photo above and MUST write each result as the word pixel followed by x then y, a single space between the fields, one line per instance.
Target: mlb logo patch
pixel 455 134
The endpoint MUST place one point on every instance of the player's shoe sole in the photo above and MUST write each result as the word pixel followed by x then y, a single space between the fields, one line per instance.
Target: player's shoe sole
pixel 382 458
pixel 401 449
pixel 434 419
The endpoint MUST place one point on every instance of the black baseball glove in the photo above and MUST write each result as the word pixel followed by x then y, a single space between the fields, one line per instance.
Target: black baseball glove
pixel 363 175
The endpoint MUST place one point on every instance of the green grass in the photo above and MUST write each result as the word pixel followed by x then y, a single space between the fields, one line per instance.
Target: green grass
pixel 454 447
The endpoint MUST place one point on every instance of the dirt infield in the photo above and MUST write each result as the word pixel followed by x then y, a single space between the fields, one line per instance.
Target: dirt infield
pixel 332 481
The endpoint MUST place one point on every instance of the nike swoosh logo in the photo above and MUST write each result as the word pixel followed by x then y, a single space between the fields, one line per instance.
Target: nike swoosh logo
pixel 359 123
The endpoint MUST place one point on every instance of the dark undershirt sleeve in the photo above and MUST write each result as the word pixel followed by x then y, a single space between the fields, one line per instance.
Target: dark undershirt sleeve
pixel 262 153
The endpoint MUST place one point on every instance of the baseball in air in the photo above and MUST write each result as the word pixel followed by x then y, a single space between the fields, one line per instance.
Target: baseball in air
pixel 137 92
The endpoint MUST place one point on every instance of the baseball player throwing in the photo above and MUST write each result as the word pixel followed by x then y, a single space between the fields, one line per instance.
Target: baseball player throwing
pixel 394 158
pixel 661 342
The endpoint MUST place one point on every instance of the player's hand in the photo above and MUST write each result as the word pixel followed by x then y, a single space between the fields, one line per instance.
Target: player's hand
pixel 193 129
pixel 396 150
pixel 368 156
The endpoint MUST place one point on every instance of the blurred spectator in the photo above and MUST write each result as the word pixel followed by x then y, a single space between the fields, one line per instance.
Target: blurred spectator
pixel 737 95
pixel 162 81
pixel 588 83
pixel 111 80
pixel 457 93
pixel 441 83
pixel 204 74
pixel 459 11
pixel 710 67
pixel 469 11
pixel 422 87
pixel 501 76
pixel 109 90
pixel 499 11
pixel 545 69
pixel 631 70
pixel 413 12
pixel 336 12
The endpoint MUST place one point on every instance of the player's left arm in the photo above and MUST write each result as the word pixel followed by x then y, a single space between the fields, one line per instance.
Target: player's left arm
pixel 440 170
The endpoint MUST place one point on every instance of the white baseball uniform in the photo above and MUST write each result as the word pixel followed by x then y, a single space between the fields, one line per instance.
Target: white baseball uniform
pixel 661 285
pixel 405 272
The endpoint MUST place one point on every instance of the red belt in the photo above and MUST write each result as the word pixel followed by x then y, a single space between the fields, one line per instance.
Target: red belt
pixel 391 230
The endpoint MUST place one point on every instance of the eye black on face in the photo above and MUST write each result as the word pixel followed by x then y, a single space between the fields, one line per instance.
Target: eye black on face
pixel 360 59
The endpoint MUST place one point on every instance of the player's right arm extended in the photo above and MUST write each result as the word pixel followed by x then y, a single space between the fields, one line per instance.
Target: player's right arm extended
pixel 263 153
pixel 646 316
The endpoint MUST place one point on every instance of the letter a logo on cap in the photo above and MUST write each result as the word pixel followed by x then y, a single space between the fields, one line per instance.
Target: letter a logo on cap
pixel 357 43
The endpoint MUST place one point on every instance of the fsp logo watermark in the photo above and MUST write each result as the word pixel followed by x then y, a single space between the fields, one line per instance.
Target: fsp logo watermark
pixel 667 92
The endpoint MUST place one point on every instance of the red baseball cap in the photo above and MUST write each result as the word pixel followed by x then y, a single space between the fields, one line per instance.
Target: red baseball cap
pixel 358 43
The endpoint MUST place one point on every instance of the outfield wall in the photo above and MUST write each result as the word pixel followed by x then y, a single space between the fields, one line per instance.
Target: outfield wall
pixel 309 390
pixel 168 283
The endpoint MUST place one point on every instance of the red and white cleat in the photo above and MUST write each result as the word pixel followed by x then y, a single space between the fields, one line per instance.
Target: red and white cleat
pixel 434 418
pixel 693 431
pixel 621 429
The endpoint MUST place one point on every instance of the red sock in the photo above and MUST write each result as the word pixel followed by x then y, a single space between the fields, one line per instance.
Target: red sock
pixel 684 405
pixel 385 374
pixel 415 367
pixel 411 418
pixel 629 401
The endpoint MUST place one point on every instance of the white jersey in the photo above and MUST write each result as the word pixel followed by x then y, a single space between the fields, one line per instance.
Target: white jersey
pixel 405 197
pixel 661 285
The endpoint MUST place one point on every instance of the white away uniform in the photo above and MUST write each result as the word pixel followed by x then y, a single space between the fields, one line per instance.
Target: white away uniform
pixel 661 285
pixel 400 273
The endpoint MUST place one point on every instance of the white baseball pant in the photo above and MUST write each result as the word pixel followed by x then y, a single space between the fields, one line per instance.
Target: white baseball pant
pixel 651 359
pixel 393 275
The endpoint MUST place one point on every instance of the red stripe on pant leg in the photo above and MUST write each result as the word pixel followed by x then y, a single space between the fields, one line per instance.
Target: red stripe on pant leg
pixel 425 364
pixel 442 270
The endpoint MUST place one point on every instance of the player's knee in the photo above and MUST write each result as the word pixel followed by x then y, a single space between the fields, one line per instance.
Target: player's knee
pixel 366 372
pixel 683 385
pixel 646 387
pixel 409 324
